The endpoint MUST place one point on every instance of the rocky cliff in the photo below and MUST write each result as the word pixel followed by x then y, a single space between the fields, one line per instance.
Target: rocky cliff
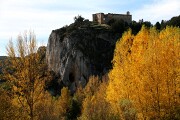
pixel 79 50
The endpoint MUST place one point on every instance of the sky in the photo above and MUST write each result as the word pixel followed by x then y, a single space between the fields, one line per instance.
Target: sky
pixel 43 16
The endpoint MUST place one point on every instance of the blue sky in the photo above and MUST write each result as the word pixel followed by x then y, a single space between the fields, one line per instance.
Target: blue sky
pixel 43 16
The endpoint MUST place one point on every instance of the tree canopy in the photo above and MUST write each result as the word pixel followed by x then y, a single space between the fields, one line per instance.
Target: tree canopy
pixel 146 73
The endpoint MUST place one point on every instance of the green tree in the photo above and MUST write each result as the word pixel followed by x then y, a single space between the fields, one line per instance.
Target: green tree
pixel 136 27
pixel 175 21
pixel 78 19
pixel 158 25
pixel 118 26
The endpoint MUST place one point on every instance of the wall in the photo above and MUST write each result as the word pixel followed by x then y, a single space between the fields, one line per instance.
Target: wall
pixel 99 17
pixel 102 18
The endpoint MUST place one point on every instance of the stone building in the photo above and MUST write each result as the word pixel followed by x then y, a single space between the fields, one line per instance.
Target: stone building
pixel 102 18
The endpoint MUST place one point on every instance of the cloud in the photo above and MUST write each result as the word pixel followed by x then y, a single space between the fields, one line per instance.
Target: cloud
pixel 158 10
pixel 42 16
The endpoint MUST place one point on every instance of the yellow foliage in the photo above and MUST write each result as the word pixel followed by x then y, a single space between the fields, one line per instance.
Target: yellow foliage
pixel 146 71
pixel 6 108
pixel 92 86
pixel 26 72
pixel 95 106
pixel 63 103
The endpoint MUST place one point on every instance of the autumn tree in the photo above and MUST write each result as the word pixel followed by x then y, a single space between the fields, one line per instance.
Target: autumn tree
pixel 26 72
pixel 146 73
pixel 63 104
pixel 7 110
pixel 46 109
pixel 94 105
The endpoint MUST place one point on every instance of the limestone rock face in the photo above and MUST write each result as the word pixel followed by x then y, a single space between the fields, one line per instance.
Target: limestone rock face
pixel 75 54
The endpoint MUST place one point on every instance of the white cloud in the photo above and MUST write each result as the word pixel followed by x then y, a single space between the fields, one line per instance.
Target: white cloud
pixel 158 10
pixel 42 16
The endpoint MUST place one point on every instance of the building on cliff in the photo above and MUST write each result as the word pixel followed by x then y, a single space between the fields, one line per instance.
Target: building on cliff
pixel 102 18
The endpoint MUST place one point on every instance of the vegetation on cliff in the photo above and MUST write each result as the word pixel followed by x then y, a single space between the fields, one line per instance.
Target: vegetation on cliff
pixel 144 82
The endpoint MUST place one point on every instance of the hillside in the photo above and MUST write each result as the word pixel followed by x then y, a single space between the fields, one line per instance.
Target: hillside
pixel 91 71
pixel 79 50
